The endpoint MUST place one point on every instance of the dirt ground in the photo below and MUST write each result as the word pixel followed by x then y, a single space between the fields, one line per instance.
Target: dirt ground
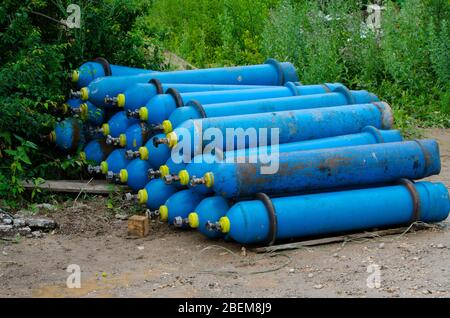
pixel 170 263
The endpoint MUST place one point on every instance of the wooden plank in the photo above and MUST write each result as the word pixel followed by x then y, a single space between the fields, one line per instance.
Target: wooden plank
pixel 77 186
pixel 176 62
pixel 329 240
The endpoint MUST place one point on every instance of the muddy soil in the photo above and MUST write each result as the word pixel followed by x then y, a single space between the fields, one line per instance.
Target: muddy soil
pixel 171 263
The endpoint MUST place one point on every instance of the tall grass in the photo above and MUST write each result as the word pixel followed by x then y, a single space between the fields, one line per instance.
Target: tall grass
pixel 406 63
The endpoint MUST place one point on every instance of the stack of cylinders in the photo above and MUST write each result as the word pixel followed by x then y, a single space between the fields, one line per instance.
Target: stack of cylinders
pixel 204 163
pixel 249 153
pixel 271 73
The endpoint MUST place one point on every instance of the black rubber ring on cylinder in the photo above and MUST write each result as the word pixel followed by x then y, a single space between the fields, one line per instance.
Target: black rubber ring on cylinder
pixel 76 137
pixel 375 132
pixel 378 106
pixel 347 93
pixel 409 185
pixel 326 88
pixel 293 88
pixel 425 154
pixel 386 110
pixel 280 72
pixel 176 96
pixel 196 104
pixel 105 64
pixel 273 223
pixel 158 85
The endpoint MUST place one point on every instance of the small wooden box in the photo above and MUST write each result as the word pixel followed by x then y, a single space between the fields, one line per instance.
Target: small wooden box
pixel 138 225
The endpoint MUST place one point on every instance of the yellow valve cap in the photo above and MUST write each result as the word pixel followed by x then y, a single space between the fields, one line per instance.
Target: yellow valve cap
pixel 52 136
pixel 164 170
pixel 75 76
pixel 105 129
pixel 143 113
pixel 142 196
pixel 84 111
pixel 173 139
pixel 64 108
pixel 184 177
pixel 224 223
pixel 121 100
pixel 167 126
pixel 123 175
pixel 209 179
pixel 122 140
pixel 143 153
pixel 193 220
pixel 163 213
pixel 104 167
pixel 84 93
pixel 83 156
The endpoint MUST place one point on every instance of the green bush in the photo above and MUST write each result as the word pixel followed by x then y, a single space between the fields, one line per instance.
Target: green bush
pixel 209 33
pixel 36 56
pixel 406 63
